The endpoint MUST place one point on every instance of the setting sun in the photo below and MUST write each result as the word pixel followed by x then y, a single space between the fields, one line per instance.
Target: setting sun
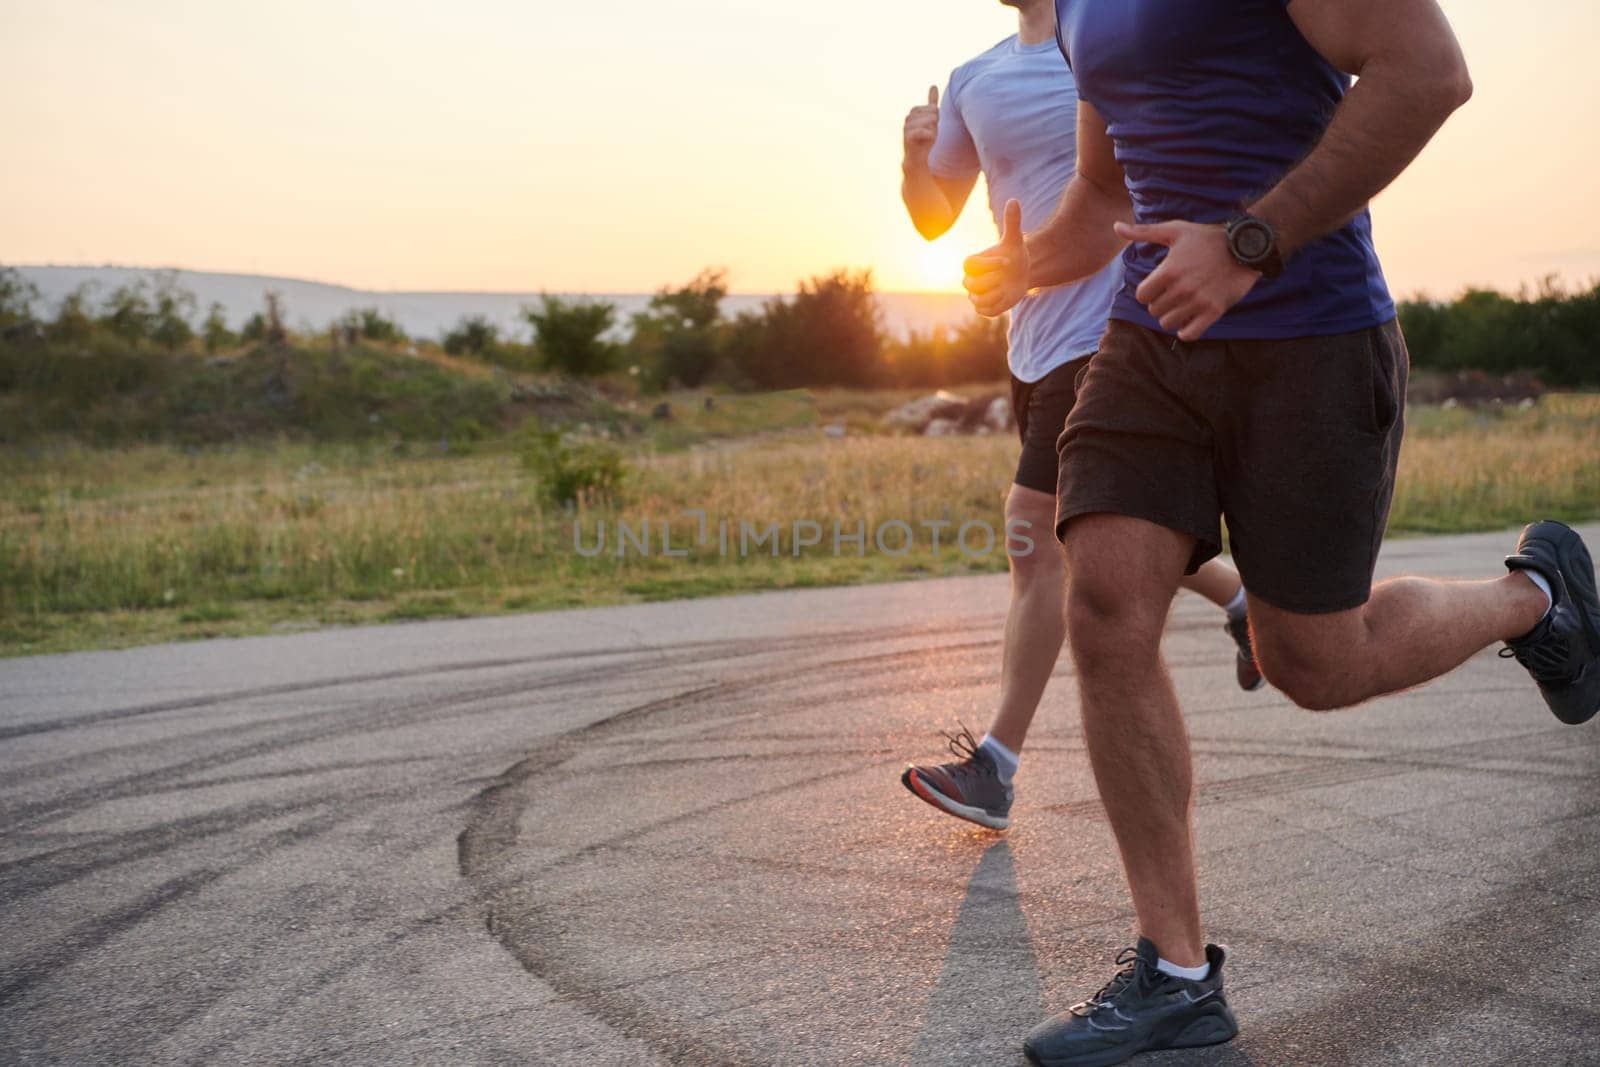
pixel 941 263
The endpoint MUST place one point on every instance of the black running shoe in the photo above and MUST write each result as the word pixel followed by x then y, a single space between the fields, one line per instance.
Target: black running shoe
pixel 1139 1010
pixel 1244 665
pixel 970 788
pixel 1563 651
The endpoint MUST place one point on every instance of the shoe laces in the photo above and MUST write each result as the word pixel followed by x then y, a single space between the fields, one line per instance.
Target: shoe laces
pixel 1548 657
pixel 1129 964
pixel 965 748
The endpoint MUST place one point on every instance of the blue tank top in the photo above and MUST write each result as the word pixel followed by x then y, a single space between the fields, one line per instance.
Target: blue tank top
pixel 1209 104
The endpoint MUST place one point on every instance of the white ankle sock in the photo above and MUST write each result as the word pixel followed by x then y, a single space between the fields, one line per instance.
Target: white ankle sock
pixel 1544 587
pixel 1236 607
pixel 1005 760
pixel 1193 974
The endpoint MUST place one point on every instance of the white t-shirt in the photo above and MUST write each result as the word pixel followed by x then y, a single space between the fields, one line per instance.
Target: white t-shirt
pixel 1012 113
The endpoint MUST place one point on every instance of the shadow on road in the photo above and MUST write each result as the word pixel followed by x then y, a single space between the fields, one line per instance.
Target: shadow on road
pixel 989 992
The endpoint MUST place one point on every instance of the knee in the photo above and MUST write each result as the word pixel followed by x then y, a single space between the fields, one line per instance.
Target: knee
pixel 1031 546
pixel 1312 682
pixel 1107 624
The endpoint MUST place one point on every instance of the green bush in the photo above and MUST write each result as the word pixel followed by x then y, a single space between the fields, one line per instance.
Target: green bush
pixel 571 468
pixel 473 335
pixel 677 340
pixel 828 333
pixel 1552 333
pixel 975 351
pixel 17 295
pixel 215 333
pixel 571 334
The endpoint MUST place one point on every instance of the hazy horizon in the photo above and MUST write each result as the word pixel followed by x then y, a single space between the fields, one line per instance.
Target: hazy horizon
pixel 312 305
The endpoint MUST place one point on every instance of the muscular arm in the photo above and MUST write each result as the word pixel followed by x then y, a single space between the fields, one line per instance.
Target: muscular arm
pixel 1078 239
pixel 934 203
pixel 1411 77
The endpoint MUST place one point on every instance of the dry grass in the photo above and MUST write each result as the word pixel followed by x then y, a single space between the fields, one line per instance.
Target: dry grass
pixel 100 549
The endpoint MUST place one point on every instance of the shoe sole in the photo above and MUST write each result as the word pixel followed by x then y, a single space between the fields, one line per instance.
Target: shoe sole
pixel 925 792
pixel 1210 1029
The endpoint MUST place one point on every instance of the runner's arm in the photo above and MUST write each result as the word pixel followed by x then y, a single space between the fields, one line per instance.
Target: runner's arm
pixel 1078 240
pixel 1411 76
pixel 934 203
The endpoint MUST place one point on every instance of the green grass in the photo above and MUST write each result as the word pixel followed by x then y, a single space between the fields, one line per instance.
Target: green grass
pixel 112 548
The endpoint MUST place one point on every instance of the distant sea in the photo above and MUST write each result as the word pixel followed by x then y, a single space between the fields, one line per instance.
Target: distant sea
pixel 311 306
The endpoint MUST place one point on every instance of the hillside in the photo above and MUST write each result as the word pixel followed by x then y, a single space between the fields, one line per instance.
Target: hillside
pixel 423 314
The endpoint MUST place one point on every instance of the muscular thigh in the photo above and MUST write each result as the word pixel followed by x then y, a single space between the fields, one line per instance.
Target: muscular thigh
pixel 1308 442
pixel 1138 445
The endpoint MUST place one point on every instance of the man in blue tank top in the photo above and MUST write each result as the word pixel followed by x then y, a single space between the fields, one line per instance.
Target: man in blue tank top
pixel 1252 371
pixel 1008 114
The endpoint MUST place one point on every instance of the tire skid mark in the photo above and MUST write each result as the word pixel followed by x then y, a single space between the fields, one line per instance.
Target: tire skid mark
pixel 353 723
pixel 33 875
pixel 683 651
pixel 235 696
pixel 94 933
pixel 25 974
pixel 211 1052
pixel 319 726
pixel 491 831
pixel 374 711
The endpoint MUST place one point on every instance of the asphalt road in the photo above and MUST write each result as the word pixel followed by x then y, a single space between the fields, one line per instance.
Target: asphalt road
pixel 674 834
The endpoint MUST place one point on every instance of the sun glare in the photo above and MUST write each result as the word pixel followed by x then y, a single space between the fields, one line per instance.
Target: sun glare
pixel 940 263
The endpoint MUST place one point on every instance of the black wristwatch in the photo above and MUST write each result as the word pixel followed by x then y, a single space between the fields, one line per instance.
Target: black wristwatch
pixel 1254 243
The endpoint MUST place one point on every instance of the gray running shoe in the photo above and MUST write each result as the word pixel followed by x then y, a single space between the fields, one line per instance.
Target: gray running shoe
pixel 970 788
pixel 1563 651
pixel 1139 1010
pixel 1244 665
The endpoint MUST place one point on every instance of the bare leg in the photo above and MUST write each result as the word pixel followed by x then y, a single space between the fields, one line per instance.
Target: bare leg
pixel 1036 624
pixel 1126 572
pixel 1410 632
pixel 1216 581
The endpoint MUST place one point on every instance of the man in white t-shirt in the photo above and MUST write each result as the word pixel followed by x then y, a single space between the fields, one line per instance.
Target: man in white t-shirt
pixel 1011 115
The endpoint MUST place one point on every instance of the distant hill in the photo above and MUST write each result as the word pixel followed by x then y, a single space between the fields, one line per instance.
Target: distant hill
pixel 312 305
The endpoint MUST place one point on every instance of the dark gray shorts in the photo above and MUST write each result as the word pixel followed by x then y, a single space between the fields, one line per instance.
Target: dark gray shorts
pixel 1293 442
pixel 1041 409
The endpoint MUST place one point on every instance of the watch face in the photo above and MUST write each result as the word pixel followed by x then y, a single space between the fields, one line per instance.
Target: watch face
pixel 1251 240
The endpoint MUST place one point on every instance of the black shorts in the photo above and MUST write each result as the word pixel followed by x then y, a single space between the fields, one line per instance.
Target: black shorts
pixel 1041 409
pixel 1293 442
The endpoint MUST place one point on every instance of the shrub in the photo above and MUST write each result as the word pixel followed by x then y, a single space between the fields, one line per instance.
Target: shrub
pixel 266 326
pixel 677 340
pixel 74 321
pixel 215 333
pixel 571 468
pixel 373 325
pixel 571 334
pixel 473 335
pixel 974 352
pixel 1550 332
pixel 828 333
pixel 128 313
pixel 169 315
pixel 17 295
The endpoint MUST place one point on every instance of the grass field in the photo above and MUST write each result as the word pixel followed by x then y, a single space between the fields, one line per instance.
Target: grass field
pixel 107 549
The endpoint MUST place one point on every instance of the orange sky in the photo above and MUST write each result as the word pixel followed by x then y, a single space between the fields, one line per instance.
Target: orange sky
pixel 615 147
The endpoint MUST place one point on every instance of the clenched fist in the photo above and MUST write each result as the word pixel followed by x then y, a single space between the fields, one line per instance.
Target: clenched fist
pixel 922 129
